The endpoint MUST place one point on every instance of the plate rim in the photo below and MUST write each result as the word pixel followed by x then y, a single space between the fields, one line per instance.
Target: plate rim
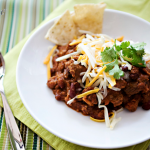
pixel 38 120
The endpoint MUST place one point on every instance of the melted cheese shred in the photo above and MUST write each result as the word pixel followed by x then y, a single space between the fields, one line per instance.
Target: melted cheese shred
pixel 87 93
pixel 82 95
pixel 120 39
pixel 102 120
pixel 66 56
pixel 47 59
pixel 94 79
pixel 48 71
pixel 79 40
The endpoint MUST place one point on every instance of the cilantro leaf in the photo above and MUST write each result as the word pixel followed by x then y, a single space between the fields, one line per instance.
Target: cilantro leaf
pixel 127 52
pixel 109 54
pixel 131 56
pixel 118 48
pixel 139 47
pixel 124 44
pixel 116 72
pixel 113 69
pixel 111 65
pixel 138 60
pixel 132 53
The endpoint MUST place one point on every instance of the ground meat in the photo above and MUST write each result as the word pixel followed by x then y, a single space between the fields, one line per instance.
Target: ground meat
pixel 66 73
pixel 85 109
pixel 61 66
pixel 133 103
pixel 75 70
pixel 145 98
pixel 97 113
pixel 125 98
pixel 51 83
pixel 121 84
pixel 62 50
pixel 146 70
pixel 135 90
pixel 55 64
pixel 61 82
pixel 143 78
pixel 57 81
pixel 134 74
pixel 67 63
pixel 87 89
pixel 59 94
pixel 91 99
pixel 75 57
pixel 70 51
pixel 115 97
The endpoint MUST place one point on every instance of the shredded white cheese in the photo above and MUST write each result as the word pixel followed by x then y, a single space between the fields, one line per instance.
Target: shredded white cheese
pixel 66 56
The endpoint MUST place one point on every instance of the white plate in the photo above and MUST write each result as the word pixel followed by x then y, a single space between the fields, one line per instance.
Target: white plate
pixel 64 122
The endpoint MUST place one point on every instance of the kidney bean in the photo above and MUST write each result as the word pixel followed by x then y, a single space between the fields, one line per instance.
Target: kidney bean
pixel 72 90
pixel 125 68
pixel 77 85
pixel 58 97
pixel 146 106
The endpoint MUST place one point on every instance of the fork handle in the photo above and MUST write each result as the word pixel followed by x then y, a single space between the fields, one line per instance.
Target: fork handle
pixel 12 128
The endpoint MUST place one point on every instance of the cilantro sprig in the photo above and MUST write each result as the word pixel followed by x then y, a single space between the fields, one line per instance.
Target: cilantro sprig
pixel 132 53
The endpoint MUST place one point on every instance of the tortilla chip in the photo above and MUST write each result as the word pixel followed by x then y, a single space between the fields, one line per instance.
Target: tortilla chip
pixel 63 30
pixel 89 17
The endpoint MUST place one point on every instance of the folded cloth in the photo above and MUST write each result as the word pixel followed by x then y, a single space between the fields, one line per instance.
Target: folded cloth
pixel 136 7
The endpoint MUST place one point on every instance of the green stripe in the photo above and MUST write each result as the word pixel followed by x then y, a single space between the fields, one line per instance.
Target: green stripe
pixel 41 141
pixel 9 145
pixel 10 25
pixel 35 141
pixel 2 7
pixel 44 145
pixel 29 140
pixel 26 14
pixel 16 25
pixel 19 23
pixel 3 129
pixel 6 27
pixel 1 3
pixel 24 134
pixel 31 22
pixel 43 10
pixel 1 118
pixel 51 6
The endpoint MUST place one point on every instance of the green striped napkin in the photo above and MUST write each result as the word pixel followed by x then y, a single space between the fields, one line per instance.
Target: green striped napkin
pixel 136 7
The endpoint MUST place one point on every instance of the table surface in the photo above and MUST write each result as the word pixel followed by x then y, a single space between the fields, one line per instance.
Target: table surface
pixel 18 19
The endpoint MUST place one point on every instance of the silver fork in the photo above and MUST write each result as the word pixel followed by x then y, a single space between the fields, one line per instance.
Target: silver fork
pixel 12 128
